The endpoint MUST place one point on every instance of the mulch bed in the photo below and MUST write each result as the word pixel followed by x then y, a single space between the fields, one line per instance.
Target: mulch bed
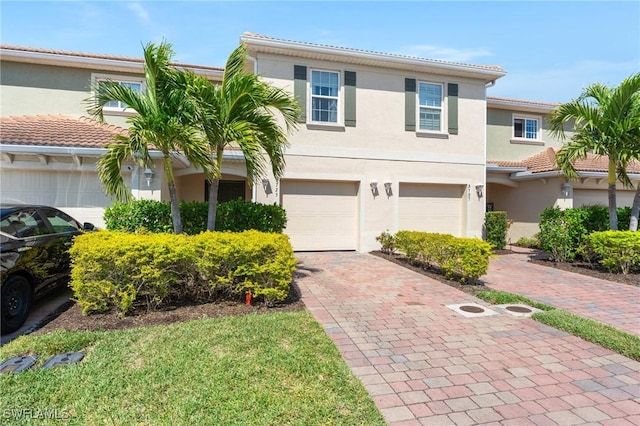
pixel 72 318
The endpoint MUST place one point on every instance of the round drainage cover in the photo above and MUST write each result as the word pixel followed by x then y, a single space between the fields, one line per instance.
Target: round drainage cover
pixel 520 309
pixel 471 309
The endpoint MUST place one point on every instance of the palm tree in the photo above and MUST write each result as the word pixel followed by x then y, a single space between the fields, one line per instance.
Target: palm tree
pixel 604 124
pixel 164 120
pixel 243 112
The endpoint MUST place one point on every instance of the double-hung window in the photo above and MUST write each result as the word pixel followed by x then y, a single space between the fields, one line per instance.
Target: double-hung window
pixel 526 128
pixel 136 84
pixel 430 107
pixel 325 92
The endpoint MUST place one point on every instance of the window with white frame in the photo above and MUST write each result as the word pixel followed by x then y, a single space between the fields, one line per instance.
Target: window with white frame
pixel 526 127
pixel 325 92
pixel 430 107
pixel 136 84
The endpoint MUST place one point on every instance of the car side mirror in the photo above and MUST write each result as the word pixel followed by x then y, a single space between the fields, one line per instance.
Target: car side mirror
pixel 88 226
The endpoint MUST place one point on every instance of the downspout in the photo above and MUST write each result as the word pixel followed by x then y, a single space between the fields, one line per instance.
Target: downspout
pixel 490 84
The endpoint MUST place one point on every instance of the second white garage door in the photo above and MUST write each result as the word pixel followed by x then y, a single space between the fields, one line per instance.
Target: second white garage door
pixel 431 208
pixel 322 215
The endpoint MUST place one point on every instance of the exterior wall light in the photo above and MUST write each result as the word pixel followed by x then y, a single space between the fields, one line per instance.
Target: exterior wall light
pixel 387 188
pixel 479 190
pixel 148 176
pixel 266 185
pixel 374 187
pixel 566 189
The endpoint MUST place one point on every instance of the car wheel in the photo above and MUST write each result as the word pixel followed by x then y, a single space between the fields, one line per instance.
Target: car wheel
pixel 16 303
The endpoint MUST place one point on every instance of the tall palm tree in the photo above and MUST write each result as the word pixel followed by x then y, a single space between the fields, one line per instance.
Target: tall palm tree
pixel 244 112
pixel 604 123
pixel 164 120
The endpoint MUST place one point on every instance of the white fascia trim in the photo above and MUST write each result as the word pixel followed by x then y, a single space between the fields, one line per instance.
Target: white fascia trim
pixel 530 175
pixel 498 169
pixel 94 152
pixel 488 75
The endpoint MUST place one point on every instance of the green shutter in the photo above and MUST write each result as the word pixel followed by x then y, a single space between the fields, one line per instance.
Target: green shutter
pixel 410 104
pixel 300 90
pixel 452 93
pixel 350 98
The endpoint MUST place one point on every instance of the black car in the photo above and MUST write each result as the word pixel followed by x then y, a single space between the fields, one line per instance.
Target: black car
pixel 34 258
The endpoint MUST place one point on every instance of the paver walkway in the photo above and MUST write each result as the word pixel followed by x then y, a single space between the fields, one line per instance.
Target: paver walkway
pixel 424 364
pixel 605 301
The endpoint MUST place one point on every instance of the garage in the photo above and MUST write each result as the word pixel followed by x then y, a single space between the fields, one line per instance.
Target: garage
pixel 431 208
pixel 322 215
pixel 589 197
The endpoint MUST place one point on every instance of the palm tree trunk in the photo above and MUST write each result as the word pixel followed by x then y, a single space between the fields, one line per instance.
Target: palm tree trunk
pixel 213 204
pixel 635 211
pixel 613 208
pixel 173 196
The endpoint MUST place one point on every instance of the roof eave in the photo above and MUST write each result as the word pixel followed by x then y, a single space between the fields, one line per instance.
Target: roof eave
pixel 103 64
pixel 335 54
pixel 514 104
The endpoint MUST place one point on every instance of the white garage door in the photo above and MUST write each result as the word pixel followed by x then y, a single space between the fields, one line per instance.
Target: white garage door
pixel 322 215
pixel 588 197
pixel 431 208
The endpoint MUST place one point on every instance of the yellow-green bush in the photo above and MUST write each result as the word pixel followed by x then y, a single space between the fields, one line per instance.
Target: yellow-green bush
pixel 465 259
pixel 617 251
pixel 116 270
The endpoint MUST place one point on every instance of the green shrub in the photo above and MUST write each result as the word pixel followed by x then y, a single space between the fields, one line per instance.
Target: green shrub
pixel 527 242
pixel 465 259
pixel 495 229
pixel 617 251
pixel 387 242
pixel 155 216
pixel 562 231
pixel 122 271
pixel 239 215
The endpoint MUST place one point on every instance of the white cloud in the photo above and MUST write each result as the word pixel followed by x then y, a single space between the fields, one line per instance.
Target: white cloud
pixel 140 11
pixel 444 53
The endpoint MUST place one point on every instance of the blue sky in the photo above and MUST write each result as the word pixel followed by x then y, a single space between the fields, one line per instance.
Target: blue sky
pixel 550 50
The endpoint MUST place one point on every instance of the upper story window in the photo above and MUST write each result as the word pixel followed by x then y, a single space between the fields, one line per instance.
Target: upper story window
pixel 325 92
pixel 430 107
pixel 526 127
pixel 131 82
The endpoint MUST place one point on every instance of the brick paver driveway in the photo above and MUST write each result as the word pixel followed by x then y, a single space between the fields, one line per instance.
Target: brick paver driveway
pixel 425 364
pixel 605 301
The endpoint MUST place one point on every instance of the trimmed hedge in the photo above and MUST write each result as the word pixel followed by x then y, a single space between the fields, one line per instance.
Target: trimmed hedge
pixel 123 271
pixel 155 216
pixel 495 229
pixel 464 259
pixel 617 251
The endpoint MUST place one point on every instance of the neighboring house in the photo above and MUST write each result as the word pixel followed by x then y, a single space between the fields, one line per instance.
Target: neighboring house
pixel 522 176
pixel 49 150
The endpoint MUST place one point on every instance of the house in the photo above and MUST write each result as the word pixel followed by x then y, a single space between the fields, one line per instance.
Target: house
pixel 522 176
pixel 385 142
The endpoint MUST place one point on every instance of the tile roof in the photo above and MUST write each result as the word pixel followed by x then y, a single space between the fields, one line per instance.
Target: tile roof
pixel 57 130
pixel 347 49
pixel 545 161
pixel 95 56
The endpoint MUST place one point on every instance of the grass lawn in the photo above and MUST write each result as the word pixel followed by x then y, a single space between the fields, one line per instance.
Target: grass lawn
pixel 601 334
pixel 271 369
